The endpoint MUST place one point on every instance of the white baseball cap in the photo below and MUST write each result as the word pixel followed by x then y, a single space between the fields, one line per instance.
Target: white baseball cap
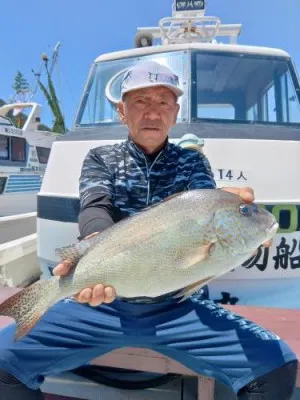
pixel 148 74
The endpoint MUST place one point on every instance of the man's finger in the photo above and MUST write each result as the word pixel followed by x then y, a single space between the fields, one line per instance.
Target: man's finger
pixel 91 235
pixel 97 295
pixel 246 193
pixel 98 291
pixel 62 268
pixel 109 294
pixel 268 243
pixel 84 296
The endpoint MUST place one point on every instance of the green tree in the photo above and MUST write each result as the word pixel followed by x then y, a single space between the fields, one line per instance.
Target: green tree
pixel 59 122
pixel 20 83
pixel 43 127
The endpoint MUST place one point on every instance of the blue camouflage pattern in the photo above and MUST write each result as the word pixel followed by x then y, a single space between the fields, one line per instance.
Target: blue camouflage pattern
pixel 126 175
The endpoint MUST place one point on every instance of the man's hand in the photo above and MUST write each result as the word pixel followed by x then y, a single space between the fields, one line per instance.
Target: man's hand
pixel 247 195
pixel 94 296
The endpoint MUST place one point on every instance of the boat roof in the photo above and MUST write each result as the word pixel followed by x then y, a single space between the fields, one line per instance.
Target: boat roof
pixel 212 47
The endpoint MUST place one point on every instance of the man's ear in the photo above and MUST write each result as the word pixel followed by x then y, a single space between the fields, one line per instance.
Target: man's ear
pixel 121 111
pixel 176 114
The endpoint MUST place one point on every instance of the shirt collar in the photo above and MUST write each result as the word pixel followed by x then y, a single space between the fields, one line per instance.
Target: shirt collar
pixel 137 152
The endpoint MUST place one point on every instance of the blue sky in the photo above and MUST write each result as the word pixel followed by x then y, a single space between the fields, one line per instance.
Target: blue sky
pixel 88 28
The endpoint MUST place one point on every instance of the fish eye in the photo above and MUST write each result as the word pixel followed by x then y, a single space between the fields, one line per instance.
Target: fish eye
pixel 246 210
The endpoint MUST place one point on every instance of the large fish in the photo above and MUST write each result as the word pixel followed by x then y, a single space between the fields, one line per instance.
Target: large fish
pixel 178 245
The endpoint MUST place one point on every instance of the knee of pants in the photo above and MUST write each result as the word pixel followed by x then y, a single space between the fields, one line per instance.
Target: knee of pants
pixel 7 335
pixel 277 384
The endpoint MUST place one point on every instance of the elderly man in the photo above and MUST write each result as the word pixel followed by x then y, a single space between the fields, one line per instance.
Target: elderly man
pixel 117 181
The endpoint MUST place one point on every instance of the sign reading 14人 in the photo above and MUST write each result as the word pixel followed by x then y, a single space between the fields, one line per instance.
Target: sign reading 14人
pixel 190 5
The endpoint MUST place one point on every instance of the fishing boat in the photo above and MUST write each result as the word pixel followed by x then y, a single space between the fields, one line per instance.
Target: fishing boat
pixel 243 104
pixel 241 101
pixel 24 154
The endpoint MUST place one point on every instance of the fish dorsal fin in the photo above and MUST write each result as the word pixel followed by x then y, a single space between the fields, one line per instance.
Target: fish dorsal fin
pixel 75 251
pixel 172 196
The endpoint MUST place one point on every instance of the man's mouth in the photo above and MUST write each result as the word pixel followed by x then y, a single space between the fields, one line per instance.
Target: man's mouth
pixel 150 128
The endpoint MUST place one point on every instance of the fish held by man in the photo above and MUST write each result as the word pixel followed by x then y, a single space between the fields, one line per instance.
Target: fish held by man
pixel 177 245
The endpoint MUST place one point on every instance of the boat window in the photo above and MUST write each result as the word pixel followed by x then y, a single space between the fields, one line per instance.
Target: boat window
pixel 290 103
pixel 103 89
pixel 4 147
pixel 5 121
pixel 209 110
pixel 243 88
pixel 18 146
pixel 43 154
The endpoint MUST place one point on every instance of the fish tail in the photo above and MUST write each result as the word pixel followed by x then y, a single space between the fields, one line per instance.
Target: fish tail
pixel 27 306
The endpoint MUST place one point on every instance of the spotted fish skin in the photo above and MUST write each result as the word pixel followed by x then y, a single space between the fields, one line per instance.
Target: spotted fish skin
pixel 27 306
pixel 177 245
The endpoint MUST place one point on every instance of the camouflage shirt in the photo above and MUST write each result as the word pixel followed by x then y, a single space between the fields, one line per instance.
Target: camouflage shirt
pixel 120 180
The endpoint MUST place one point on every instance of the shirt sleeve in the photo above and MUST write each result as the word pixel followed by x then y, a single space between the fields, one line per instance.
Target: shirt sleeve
pixel 201 176
pixel 96 193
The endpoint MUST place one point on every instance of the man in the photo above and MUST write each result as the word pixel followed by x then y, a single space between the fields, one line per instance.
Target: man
pixel 118 181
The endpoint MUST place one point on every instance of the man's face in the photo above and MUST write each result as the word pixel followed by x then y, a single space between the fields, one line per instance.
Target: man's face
pixel 149 114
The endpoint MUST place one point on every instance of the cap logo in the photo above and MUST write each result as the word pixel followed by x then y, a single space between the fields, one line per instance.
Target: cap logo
pixel 127 75
pixel 152 77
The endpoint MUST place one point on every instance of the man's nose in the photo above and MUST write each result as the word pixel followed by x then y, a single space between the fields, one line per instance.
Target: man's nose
pixel 152 112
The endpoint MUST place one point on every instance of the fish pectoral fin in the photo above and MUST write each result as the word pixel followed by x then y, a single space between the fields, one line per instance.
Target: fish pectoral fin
pixel 194 255
pixel 191 289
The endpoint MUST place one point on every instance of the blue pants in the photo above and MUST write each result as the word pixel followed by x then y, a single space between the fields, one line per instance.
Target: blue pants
pixel 198 333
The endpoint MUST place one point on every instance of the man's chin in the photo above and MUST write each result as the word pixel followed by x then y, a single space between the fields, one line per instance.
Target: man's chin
pixel 151 132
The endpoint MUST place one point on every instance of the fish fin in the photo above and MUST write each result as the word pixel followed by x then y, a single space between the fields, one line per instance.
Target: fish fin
pixel 27 306
pixel 172 196
pixel 23 329
pixel 75 251
pixel 191 289
pixel 194 256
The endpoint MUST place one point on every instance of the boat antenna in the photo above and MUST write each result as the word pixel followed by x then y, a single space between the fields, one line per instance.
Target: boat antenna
pixel 44 56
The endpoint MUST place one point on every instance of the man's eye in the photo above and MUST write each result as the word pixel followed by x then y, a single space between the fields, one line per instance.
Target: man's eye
pixel 164 104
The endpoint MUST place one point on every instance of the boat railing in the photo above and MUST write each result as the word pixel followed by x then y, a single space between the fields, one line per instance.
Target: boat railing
pixel 19 264
pixel 188 26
